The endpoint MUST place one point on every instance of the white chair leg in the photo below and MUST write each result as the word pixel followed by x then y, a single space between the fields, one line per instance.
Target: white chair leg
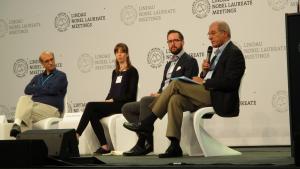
pixel 125 139
pixel 109 124
pixel 209 145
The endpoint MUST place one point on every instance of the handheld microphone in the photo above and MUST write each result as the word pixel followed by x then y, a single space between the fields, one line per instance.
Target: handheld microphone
pixel 209 52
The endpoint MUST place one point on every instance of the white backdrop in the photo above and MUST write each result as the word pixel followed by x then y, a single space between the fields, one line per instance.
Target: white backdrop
pixel 82 34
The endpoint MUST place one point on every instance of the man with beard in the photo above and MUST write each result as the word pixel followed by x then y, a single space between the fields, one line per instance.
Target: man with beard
pixel 180 64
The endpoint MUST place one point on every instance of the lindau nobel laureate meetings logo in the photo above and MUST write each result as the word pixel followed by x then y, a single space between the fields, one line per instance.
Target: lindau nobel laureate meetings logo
pixel 128 15
pixel 156 58
pixel 280 101
pixel 3 28
pixel 277 5
pixel 201 8
pixel 20 68
pixel 85 63
pixel 62 22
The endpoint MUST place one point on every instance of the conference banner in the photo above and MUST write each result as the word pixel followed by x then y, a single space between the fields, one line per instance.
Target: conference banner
pixel 83 34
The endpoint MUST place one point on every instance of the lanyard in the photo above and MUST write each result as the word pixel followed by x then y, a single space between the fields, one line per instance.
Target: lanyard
pixel 44 81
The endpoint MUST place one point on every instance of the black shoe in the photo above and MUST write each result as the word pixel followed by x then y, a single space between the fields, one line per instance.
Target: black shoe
pixel 139 127
pixel 101 151
pixel 172 151
pixel 15 130
pixel 139 151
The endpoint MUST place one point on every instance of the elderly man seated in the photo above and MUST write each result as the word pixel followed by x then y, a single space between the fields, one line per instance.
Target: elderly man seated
pixel 44 96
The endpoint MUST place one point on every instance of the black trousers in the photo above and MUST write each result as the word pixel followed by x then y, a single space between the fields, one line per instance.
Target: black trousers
pixel 138 111
pixel 93 112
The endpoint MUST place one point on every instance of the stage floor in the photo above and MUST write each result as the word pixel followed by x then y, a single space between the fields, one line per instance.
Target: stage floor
pixel 257 157
pixel 252 157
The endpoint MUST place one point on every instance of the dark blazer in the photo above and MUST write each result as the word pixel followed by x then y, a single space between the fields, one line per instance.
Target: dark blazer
pixel 225 81
pixel 188 67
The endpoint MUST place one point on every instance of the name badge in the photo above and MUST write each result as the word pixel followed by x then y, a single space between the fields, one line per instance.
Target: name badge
pixel 119 79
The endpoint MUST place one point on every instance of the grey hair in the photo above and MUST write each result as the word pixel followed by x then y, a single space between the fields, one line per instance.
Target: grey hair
pixel 223 26
pixel 46 52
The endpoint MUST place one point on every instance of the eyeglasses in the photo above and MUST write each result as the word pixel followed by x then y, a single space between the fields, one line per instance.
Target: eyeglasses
pixel 174 40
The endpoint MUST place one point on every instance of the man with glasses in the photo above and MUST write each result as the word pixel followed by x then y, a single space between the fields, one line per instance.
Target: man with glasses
pixel 44 96
pixel 180 64
pixel 217 86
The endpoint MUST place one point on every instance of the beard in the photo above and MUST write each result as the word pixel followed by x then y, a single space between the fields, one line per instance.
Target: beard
pixel 178 50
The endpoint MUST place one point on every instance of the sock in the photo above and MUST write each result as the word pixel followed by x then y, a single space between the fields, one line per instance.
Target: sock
pixel 18 122
pixel 174 141
pixel 149 120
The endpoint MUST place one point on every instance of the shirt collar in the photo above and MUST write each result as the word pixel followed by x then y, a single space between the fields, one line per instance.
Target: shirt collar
pixel 45 72
pixel 178 55
pixel 221 48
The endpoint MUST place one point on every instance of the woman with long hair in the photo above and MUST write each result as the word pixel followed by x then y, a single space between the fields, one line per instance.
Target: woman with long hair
pixel 123 89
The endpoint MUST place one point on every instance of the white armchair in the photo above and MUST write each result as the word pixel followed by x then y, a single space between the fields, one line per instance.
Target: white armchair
pixel 209 145
pixel 188 140
pixel 5 128
pixel 48 123
pixel 51 122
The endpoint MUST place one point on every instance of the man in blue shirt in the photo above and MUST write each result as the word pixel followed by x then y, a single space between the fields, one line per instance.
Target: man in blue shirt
pixel 44 96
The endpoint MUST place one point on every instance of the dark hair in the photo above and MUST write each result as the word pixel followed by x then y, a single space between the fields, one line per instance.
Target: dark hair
pixel 124 48
pixel 175 31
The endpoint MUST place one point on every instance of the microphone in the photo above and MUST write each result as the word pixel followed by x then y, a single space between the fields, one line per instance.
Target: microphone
pixel 209 52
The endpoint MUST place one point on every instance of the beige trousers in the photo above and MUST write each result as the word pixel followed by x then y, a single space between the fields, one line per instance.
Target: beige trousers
pixel 175 99
pixel 30 112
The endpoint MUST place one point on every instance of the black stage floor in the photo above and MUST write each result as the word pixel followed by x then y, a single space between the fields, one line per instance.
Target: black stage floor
pixel 252 157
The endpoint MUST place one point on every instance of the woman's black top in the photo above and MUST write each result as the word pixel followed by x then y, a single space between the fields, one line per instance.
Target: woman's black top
pixel 124 86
